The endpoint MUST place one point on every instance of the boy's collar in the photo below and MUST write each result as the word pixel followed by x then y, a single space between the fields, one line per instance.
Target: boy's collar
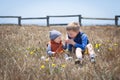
pixel 77 34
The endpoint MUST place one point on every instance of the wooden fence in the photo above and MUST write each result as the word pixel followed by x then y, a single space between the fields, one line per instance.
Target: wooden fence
pixel 116 20
pixel 18 17
pixel 47 18
pixel 63 16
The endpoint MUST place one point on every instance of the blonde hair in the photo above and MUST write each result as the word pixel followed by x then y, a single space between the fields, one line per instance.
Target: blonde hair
pixel 73 26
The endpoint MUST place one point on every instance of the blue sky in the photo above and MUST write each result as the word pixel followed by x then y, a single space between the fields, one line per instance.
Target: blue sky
pixel 41 8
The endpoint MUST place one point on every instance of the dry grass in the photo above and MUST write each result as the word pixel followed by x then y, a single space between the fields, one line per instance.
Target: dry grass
pixel 22 47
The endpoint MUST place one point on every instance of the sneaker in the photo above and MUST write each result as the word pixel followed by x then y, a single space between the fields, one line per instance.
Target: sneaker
pixel 92 60
pixel 68 58
pixel 78 61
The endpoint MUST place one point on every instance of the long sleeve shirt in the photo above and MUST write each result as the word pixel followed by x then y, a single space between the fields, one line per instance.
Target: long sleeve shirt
pixel 49 49
pixel 81 41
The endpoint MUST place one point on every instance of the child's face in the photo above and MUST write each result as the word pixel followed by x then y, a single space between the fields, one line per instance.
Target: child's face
pixel 72 33
pixel 58 39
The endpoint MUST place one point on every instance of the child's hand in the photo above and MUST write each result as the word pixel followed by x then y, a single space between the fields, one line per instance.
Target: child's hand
pixel 53 52
pixel 70 41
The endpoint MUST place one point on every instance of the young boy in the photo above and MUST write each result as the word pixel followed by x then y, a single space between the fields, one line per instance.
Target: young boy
pixel 55 47
pixel 79 41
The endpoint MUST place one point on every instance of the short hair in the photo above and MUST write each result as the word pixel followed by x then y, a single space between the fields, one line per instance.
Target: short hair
pixel 73 26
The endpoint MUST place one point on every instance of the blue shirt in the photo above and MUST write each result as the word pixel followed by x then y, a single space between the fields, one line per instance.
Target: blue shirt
pixel 81 41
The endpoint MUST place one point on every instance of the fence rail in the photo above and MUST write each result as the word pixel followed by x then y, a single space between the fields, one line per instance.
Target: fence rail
pixel 57 24
pixel 98 18
pixel 33 18
pixel 9 16
pixel 47 18
pixel 66 16
pixel 18 17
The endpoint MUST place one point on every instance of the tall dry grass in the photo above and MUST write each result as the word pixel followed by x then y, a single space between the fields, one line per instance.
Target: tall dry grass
pixel 21 49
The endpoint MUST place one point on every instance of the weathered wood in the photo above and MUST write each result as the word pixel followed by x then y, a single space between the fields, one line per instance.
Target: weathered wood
pixel 57 24
pixel 48 21
pixel 80 20
pixel 9 16
pixel 47 18
pixel 98 18
pixel 116 20
pixel 19 18
pixel 19 21
pixel 65 16
pixel 34 18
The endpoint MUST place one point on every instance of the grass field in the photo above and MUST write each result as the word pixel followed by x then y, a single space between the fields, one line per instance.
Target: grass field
pixel 21 49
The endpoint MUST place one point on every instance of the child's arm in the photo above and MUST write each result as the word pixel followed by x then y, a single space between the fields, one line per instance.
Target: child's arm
pixel 84 42
pixel 69 47
pixel 49 52
pixel 76 45
pixel 65 46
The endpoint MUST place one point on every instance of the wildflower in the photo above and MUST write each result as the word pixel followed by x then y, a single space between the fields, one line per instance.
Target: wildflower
pixel 42 66
pixel 97 45
pixel 110 49
pixel 38 49
pixel 32 52
pixel 108 41
pixel 63 65
pixel 53 65
pixel 115 44
pixel 28 48
pixel 47 59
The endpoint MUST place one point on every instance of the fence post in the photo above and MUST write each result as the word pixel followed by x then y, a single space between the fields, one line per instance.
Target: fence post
pixel 48 21
pixel 19 21
pixel 116 20
pixel 79 16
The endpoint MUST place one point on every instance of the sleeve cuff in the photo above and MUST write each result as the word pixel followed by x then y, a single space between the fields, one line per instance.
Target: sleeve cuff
pixel 50 52
pixel 76 45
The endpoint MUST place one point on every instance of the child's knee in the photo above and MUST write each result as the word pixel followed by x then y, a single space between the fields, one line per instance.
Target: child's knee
pixel 78 50
pixel 79 53
pixel 89 46
pixel 90 49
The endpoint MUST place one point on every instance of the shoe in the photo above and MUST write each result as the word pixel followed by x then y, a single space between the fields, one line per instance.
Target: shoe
pixel 78 61
pixel 92 60
pixel 68 58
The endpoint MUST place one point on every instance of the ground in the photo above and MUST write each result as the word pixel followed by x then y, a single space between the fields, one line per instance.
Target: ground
pixel 21 49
